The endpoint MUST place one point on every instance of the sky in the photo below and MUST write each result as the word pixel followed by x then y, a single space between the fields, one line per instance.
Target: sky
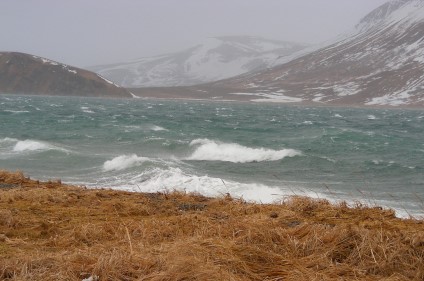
pixel 91 32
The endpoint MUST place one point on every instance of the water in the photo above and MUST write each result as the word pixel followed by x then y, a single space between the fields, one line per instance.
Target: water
pixel 258 152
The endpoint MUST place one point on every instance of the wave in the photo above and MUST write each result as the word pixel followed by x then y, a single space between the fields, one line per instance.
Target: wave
pixel 208 150
pixel 157 128
pixel 123 162
pixel 172 178
pixel 86 109
pixel 31 145
pixel 21 146
pixel 6 140
pixel 16 111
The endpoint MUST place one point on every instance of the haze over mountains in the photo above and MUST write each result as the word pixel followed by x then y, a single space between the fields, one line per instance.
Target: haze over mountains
pixel 381 62
pixel 214 59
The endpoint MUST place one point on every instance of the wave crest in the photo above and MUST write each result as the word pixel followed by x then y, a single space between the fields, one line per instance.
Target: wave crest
pixel 157 128
pixel 30 145
pixel 123 162
pixel 209 150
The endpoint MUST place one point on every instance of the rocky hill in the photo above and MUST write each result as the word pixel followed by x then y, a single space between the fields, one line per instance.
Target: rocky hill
pixel 212 60
pixel 379 63
pixel 32 75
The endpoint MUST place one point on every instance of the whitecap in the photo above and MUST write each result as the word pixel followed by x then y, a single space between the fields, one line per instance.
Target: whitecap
pixel 371 117
pixel 329 159
pixel 30 145
pixel 164 180
pixel 35 145
pixel 157 128
pixel 208 150
pixel 8 140
pixel 86 109
pixel 16 111
pixel 123 162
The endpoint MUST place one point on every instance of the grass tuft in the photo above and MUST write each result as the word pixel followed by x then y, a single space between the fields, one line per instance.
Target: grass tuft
pixel 52 231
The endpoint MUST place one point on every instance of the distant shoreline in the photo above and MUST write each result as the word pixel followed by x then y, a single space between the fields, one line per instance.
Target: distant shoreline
pixel 249 101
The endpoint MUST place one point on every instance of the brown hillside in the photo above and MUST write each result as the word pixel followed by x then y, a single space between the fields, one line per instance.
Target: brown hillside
pixel 31 75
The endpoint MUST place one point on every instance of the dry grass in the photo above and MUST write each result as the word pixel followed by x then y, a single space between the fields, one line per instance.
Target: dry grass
pixel 50 231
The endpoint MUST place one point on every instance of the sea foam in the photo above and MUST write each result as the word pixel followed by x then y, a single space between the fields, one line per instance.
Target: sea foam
pixel 209 150
pixel 170 179
pixel 123 162
pixel 30 145
pixel 7 140
pixel 157 128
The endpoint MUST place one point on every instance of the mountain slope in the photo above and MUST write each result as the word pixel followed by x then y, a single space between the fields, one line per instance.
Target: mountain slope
pixel 215 59
pixel 26 74
pixel 380 63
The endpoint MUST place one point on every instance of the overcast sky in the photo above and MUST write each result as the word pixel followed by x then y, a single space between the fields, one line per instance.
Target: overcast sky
pixel 90 32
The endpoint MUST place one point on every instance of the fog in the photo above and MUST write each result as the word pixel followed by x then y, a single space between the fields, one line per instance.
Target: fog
pixel 84 33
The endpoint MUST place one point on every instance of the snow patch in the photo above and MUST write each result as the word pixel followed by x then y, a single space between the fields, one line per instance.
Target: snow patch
pixel 134 96
pixel 318 97
pixel 391 99
pixel 271 97
pixel 348 89
pixel 108 81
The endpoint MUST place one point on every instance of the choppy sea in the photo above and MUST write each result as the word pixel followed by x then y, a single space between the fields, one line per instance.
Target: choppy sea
pixel 259 152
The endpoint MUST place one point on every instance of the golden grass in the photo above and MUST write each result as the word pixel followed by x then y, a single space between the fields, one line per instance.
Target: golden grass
pixel 51 231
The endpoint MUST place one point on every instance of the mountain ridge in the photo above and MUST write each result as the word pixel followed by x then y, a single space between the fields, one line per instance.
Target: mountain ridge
pixel 381 63
pixel 214 59
pixel 22 73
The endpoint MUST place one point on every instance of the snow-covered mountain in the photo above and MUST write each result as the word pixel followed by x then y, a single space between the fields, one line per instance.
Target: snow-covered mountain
pixel 215 59
pixel 381 62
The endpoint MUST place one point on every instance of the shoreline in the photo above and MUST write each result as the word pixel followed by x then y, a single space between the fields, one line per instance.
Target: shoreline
pixel 242 101
pixel 50 230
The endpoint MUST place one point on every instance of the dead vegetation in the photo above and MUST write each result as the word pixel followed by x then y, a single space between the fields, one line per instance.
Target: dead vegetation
pixel 50 231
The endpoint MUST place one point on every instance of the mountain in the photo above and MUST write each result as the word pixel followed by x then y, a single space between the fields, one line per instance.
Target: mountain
pixel 215 59
pixel 379 63
pixel 32 75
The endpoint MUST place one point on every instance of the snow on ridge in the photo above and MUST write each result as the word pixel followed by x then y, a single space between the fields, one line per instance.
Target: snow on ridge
pixel 51 62
pixel 134 96
pixel 271 97
pixel 108 81
pixel 394 12
pixel 44 60
pixel 214 59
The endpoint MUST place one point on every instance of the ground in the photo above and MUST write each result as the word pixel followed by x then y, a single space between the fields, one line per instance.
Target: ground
pixel 52 231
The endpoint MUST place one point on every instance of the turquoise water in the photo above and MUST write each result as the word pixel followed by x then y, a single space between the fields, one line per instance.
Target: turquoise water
pixel 259 152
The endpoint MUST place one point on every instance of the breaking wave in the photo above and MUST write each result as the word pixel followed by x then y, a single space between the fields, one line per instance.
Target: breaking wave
pixel 157 128
pixel 208 150
pixel 7 140
pixel 123 162
pixel 32 145
pixel 170 179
